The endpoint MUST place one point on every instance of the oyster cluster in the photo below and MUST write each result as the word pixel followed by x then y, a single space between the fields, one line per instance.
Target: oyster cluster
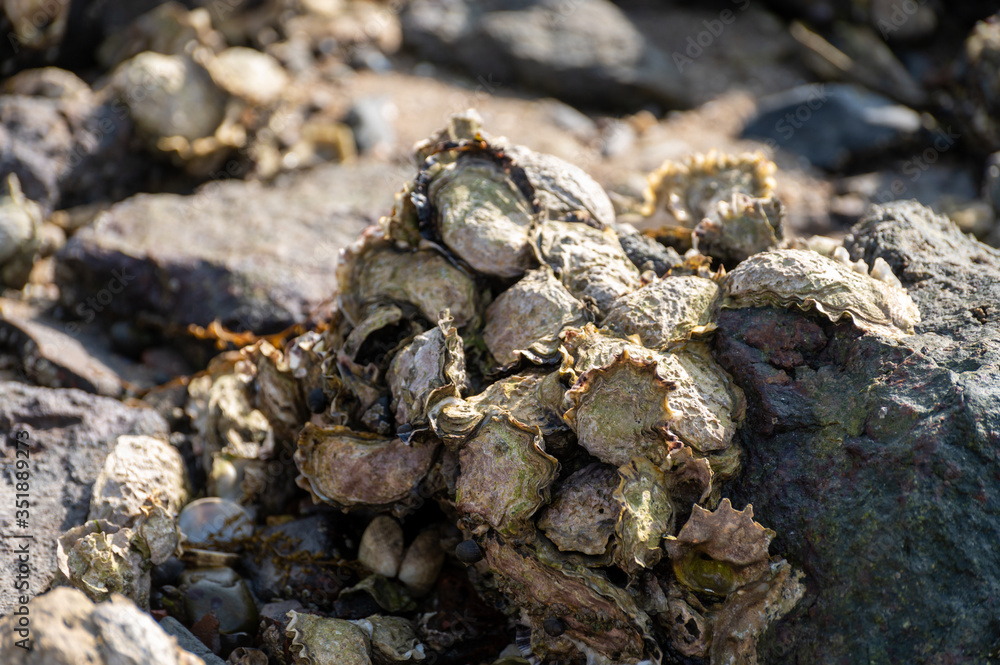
pixel 500 352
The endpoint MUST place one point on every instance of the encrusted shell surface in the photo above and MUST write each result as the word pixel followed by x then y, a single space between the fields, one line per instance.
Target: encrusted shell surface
pixel 532 398
pixel 646 516
pixel 718 552
pixel 668 310
pixel 807 280
pixel 392 639
pixel 583 512
pixel 688 190
pixel 374 271
pixel 527 318
pixel 351 468
pixel 320 640
pixel 429 369
pixel 482 217
pixel 600 618
pixel 505 474
pixel 740 227
pixel 590 262
pixel 619 411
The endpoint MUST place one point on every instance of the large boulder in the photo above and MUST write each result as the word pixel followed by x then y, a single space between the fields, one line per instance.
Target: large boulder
pixel 878 462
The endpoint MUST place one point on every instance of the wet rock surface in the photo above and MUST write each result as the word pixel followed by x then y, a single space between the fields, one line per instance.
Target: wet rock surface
pixel 262 263
pixel 872 492
pixel 71 433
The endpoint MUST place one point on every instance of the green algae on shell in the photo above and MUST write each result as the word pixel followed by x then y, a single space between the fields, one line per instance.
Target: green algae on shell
pixel 668 310
pixel 808 280
pixel 647 515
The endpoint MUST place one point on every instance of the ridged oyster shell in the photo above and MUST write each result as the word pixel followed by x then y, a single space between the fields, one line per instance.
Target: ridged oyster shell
pixel 808 280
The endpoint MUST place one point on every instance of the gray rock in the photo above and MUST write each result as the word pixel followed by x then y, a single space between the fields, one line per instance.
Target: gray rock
pixel 371 119
pixel 68 629
pixel 584 52
pixel 831 124
pixel 189 642
pixel 877 462
pixel 254 257
pixel 70 434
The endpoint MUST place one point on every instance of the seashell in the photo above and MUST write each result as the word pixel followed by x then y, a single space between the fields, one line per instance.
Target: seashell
pixel 721 551
pixel 248 74
pixel 372 271
pixel 422 564
pixel 381 547
pixel 527 318
pixel 429 369
pixel 619 411
pixel 534 399
pixel 589 262
pixel 352 469
pixel 583 512
pixel 392 639
pixel 505 474
pixel 740 227
pixel 671 309
pixel 483 217
pixel 647 515
pixel 101 558
pixel 318 640
pixel 214 522
pixel 807 280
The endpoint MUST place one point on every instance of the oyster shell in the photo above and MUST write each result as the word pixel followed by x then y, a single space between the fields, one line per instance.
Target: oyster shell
pixel 583 512
pixel 590 262
pixel 351 468
pixel 505 474
pixel 429 369
pixel 527 318
pixel 668 310
pixel 807 280
pixel 318 640
pixel 646 517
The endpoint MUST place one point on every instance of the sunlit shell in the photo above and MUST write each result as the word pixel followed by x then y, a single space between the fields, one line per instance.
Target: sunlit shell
pixel 528 317
pixel 533 399
pixel 620 411
pixel 718 552
pixel 318 640
pixel 590 262
pixel 483 217
pixel 705 404
pixel 807 280
pixel 689 190
pixel 740 227
pixel 505 474
pixel 373 271
pixel 601 619
pixel 646 517
pixel 352 469
pixel 668 310
pixel 583 512
pixel 429 369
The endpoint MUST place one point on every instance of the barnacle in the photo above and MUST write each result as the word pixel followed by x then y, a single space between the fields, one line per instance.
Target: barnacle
pixel 808 280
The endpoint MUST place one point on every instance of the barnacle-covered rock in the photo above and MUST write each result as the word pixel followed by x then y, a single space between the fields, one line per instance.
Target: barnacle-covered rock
pixel 349 468
pixel 668 310
pixel 646 516
pixel 583 512
pixel 373 271
pixel 505 474
pixel 590 262
pixel 527 318
pixel 807 280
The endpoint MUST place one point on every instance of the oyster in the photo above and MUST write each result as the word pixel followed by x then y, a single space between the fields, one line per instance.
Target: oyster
pixel 542 308
pixel 317 640
pixel 807 280
pixel 563 450
pixel 727 201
